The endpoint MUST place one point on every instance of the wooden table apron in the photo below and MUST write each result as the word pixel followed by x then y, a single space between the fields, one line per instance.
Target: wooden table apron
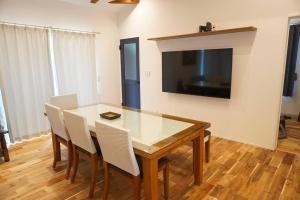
pixel 150 160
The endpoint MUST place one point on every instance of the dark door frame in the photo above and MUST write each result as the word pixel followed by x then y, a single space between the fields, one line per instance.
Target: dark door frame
pixel 122 43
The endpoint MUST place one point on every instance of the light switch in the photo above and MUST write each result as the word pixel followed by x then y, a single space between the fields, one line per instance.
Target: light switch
pixel 147 74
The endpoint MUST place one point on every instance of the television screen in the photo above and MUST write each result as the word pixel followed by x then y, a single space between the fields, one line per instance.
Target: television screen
pixel 198 72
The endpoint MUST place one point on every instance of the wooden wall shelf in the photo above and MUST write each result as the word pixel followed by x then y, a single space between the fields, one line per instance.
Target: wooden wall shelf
pixel 199 34
pixel 125 1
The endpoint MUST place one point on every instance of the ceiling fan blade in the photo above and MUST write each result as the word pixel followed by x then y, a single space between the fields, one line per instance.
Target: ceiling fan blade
pixel 94 1
pixel 125 1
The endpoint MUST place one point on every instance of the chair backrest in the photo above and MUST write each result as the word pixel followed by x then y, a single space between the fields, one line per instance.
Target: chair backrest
pixel 69 101
pixel 78 131
pixel 116 147
pixel 55 118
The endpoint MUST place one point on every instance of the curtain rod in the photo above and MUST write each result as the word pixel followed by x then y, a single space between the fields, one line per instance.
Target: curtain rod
pixel 48 27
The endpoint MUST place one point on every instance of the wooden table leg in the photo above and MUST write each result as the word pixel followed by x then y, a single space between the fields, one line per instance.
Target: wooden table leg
pixel 150 176
pixel 198 151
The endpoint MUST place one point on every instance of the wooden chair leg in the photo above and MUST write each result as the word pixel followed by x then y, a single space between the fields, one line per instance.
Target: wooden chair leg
pixel 137 187
pixel 166 181
pixel 70 158
pixel 6 155
pixel 106 180
pixel 207 150
pixel 94 164
pixel 53 144
pixel 55 150
pixel 75 163
pixel 4 147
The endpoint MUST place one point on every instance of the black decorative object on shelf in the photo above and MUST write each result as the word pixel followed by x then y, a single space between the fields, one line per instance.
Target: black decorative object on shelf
pixel 207 28
pixel 202 29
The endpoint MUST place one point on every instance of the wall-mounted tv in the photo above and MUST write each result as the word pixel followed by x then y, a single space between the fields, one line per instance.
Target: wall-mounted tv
pixel 198 72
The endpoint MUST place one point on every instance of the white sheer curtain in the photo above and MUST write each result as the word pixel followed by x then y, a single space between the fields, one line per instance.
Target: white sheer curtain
pixel 25 79
pixel 75 64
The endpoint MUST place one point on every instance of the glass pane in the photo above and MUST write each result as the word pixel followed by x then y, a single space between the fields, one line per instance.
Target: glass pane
pixel 145 129
pixel 130 61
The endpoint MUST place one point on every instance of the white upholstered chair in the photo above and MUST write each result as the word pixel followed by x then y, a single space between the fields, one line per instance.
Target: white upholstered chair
pixel 117 151
pixel 82 143
pixel 59 135
pixel 65 102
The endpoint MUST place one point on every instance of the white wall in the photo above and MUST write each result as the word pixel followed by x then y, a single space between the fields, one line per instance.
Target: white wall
pixel 291 105
pixel 251 115
pixel 65 15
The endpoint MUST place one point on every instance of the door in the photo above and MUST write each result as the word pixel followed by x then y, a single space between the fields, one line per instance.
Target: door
pixel 291 62
pixel 130 70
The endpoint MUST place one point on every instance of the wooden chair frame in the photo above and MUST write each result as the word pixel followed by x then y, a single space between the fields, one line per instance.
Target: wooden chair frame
pixel 56 140
pixel 3 146
pixel 136 180
pixel 93 158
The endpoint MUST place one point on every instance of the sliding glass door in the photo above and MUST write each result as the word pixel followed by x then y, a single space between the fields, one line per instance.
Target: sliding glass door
pixel 37 63
pixel 25 79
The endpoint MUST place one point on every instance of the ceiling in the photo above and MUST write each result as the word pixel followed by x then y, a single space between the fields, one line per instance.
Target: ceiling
pixel 101 5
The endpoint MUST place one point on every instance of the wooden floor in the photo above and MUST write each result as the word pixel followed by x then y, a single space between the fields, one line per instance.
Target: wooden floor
pixel 236 172
pixel 291 145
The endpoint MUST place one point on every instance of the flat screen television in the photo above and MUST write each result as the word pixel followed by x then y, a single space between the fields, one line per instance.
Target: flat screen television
pixel 198 72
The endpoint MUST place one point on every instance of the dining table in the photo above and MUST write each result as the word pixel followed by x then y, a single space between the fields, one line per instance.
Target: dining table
pixel 154 136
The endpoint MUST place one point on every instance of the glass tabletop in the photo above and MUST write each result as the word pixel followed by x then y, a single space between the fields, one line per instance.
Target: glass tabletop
pixel 145 129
